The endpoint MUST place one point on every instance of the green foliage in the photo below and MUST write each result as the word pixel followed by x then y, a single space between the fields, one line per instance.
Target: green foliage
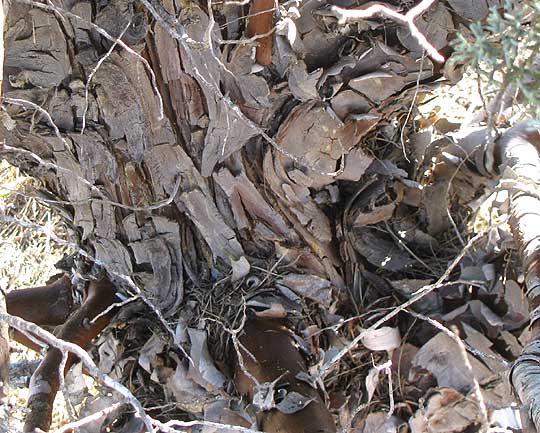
pixel 504 49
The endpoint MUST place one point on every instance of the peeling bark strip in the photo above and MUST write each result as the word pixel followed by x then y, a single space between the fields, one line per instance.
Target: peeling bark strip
pixel 260 23
pixel 4 338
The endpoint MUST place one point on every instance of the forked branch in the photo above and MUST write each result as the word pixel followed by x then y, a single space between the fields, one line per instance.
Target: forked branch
pixel 347 15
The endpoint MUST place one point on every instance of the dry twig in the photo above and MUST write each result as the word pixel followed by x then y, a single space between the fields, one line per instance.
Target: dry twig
pixel 346 15
pixel 419 294
pixel 29 328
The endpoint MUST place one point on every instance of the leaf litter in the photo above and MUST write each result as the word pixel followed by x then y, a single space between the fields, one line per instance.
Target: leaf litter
pixel 397 231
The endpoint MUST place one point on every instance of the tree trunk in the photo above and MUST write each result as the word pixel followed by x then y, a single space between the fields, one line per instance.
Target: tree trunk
pixel 182 170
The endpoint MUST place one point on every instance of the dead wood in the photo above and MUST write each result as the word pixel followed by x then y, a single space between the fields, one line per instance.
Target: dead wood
pixel 80 329
pixel 208 181
pixel 271 363
pixel 49 305
pixel 260 24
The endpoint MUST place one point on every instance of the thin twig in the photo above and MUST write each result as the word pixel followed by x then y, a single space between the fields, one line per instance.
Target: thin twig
pixel 454 336
pixel 346 15
pixel 92 369
pixel 419 294
pixel 24 103
pixel 90 418
pixel 171 426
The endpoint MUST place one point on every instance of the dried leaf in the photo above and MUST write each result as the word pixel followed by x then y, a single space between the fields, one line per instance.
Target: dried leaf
pixel 330 139
pixel 303 85
pixel 379 422
pixel 275 311
pixel 188 395
pixel 263 397
pixel 474 10
pixel 443 357
pixel 380 252
pixel 447 411
pixel 377 215
pixel 109 354
pixel 429 303
pixel 372 381
pixel 203 370
pixel 349 102
pixel 93 405
pixel 312 287
pixel 384 338
pixel 225 412
pixel 293 402
pixel 518 305
pixel 378 86
pixel 149 351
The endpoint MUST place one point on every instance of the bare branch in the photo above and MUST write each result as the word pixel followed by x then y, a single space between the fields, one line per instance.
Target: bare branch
pixel 65 346
pixel 346 15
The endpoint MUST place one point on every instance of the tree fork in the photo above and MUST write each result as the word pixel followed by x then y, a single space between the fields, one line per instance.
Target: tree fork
pixel 80 329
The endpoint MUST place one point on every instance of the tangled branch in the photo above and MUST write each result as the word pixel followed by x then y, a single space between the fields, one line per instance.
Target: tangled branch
pixel 347 15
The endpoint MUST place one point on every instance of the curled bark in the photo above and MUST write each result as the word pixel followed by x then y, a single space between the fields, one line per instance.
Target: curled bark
pixel 518 151
pixel 269 355
pixel 515 158
pixel 79 329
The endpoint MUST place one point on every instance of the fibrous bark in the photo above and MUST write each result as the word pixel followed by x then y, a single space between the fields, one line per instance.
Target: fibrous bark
pixel 184 165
